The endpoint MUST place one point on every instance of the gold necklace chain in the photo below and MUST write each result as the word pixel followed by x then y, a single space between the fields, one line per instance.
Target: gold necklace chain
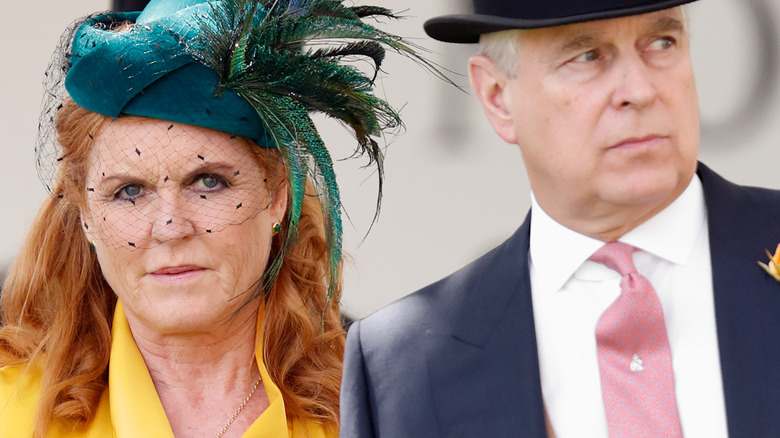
pixel 240 408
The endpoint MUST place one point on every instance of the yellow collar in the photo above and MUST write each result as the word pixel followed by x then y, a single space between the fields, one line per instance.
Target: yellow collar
pixel 135 407
pixel 131 408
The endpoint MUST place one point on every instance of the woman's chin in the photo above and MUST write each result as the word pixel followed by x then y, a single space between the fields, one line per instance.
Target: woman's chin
pixel 184 314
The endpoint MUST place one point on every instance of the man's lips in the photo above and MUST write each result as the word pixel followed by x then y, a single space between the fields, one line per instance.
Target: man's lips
pixel 638 142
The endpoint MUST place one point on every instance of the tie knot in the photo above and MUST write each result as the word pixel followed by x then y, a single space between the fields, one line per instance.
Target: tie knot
pixel 616 256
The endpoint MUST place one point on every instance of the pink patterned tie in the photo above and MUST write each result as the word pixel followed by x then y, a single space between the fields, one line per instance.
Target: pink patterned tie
pixel 635 362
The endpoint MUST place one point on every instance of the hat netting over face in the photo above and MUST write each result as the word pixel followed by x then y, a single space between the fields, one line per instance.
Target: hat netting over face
pixel 253 69
pixel 150 181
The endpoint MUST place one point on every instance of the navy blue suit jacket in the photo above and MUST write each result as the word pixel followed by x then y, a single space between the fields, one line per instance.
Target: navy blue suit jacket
pixel 458 358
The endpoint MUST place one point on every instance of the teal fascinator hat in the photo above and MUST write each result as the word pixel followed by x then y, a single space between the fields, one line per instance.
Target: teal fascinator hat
pixel 150 70
pixel 253 68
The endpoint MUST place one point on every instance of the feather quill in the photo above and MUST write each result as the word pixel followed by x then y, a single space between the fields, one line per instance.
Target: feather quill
pixel 259 50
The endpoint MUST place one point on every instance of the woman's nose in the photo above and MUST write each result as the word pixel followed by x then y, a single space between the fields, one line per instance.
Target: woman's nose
pixel 173 219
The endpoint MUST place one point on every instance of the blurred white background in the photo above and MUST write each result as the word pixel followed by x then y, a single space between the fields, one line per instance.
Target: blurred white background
pixel 454 189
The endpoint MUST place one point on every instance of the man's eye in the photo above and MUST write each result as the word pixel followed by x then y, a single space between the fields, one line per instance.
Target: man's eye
pixel 589 56
pixel 664 43
pixel 129 191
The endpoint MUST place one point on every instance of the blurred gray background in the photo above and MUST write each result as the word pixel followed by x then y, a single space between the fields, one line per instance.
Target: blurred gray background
pixel 454 189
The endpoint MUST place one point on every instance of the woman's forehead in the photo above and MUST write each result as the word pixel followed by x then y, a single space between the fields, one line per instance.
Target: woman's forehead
pixel 131 140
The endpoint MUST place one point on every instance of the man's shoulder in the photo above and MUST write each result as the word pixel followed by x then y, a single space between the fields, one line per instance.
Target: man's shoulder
pixel 435 307
pixel 762 195
pixel 717 186
pixel 728 202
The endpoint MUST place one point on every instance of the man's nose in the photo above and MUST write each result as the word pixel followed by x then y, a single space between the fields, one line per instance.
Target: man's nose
pixel 634 86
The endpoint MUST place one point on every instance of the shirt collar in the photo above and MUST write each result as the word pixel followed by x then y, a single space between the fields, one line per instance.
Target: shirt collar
pixel 557 252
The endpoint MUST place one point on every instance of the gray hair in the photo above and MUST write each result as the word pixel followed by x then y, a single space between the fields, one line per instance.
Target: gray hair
pixel 502 48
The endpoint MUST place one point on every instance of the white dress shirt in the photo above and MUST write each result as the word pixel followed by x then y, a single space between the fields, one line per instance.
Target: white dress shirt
pixel 570 293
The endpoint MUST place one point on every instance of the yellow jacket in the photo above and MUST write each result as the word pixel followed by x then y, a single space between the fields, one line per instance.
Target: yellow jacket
pixel 130 407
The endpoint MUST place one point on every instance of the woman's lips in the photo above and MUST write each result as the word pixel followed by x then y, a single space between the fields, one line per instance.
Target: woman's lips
pixel 177 274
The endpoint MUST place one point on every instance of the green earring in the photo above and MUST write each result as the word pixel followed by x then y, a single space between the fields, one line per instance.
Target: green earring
pixel 276 227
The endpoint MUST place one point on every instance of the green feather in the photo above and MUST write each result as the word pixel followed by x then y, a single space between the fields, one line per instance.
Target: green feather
pixel 257 49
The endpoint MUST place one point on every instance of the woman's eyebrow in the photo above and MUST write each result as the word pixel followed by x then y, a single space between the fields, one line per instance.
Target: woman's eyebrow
pixel 218 167
pixel 123 177
pixel 182 174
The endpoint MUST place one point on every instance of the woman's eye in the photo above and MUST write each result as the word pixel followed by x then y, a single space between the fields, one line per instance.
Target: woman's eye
pixel 210 182
pixel 589 56
pixel 128 192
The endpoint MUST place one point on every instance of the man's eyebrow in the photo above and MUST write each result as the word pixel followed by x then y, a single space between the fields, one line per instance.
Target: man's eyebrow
pixel 667 24
pixel 578 43
pixel 584 41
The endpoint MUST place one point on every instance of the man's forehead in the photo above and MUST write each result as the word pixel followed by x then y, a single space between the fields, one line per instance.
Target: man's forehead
pixel 564 36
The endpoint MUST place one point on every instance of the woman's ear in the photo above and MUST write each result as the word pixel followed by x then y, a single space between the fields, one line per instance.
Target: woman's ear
pixel 278 207
pixel 489 83
pixel 86 226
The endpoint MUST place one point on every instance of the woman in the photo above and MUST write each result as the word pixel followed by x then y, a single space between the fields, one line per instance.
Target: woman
pixel 183 278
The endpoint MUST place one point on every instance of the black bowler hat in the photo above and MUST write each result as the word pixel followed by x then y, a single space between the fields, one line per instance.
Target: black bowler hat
pixel 496 15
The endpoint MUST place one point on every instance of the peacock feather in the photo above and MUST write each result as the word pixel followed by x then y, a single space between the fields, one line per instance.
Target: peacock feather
pixel 288 58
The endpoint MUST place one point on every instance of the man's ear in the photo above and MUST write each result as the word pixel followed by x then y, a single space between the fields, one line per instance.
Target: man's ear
pixel 490 85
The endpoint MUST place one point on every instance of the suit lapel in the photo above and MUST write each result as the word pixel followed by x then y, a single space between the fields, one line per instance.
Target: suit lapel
pixel 747 303
pixel 485 377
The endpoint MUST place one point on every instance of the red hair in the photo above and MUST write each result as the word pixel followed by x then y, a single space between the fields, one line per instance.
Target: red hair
pixel 57 308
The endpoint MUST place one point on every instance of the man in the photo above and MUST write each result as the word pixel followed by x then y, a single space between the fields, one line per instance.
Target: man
pixel 629 303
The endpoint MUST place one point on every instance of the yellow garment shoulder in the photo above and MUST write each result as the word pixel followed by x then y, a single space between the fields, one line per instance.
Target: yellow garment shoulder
pixel 20 391
pixel 130 408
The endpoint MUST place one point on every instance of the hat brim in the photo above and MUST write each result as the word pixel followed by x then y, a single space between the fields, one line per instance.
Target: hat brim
pixel 466 28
